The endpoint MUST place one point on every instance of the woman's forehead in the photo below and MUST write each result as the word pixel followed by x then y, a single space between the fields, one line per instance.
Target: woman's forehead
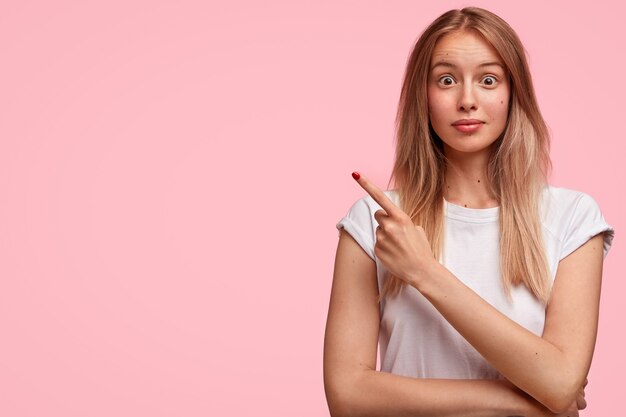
pixel 464 47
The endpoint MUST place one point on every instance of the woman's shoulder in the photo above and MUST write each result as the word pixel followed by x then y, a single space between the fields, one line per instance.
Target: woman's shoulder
pixel 360 223
pixel 573 216
pixel 367 203
pixel 563 193
pixel 561 201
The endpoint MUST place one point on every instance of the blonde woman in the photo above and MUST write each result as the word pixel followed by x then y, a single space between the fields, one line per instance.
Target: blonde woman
pixel 478 279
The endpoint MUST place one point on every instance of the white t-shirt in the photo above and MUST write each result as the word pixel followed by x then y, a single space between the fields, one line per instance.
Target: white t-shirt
pixel 415 340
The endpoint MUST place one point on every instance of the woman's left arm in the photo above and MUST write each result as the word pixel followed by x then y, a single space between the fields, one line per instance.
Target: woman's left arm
pixel 551 368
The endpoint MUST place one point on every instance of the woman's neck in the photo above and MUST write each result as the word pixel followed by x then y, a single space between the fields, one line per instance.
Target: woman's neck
pixel 466 184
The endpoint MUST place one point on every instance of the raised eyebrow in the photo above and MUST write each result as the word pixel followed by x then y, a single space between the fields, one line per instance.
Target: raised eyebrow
pixel 489 64
pixel 451 65
pixel 443 64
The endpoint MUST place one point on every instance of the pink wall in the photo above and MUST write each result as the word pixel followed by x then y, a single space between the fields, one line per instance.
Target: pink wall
pixel 136 277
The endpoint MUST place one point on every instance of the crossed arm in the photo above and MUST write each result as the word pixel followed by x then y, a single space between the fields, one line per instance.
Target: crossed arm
pixel 545 373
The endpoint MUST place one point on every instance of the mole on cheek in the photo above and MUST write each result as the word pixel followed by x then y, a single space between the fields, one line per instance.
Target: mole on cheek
pixel 501 101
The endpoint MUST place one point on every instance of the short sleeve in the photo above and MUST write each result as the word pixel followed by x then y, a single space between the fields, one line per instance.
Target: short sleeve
pixel 360 224
pixel 586 221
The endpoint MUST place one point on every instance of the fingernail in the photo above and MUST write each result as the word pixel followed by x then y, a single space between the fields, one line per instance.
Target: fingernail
pixel 356 175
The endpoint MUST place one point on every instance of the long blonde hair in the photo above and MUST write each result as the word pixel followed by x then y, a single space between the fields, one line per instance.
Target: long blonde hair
pixel 518 167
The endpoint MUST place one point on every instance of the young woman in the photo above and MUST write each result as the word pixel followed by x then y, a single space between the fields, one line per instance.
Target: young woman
pixel 480 281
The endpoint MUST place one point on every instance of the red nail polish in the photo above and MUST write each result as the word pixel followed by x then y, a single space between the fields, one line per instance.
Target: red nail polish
pixel 356 175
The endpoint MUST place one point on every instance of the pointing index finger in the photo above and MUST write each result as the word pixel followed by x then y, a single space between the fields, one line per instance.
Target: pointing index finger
pixel 378 195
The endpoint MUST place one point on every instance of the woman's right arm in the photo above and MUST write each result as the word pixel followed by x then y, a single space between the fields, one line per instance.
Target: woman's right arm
pixel 354 387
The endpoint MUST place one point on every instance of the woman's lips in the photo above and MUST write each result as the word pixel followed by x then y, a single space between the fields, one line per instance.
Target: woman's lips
pixel 467 125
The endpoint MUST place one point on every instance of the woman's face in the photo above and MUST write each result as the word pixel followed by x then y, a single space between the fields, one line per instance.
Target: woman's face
pixel 468 93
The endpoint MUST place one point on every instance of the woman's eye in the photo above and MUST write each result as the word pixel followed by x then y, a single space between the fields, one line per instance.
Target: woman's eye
pixel 446 80
pixel 489 80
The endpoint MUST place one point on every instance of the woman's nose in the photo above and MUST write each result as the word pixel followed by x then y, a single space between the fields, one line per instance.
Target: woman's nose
pixel 467 101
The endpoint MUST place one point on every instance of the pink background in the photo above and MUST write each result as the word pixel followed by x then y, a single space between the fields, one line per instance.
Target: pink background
pixel 171 174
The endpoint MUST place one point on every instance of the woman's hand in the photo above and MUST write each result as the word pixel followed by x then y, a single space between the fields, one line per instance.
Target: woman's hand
pixel 536 409
pixel 581 403
pixel 401 246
